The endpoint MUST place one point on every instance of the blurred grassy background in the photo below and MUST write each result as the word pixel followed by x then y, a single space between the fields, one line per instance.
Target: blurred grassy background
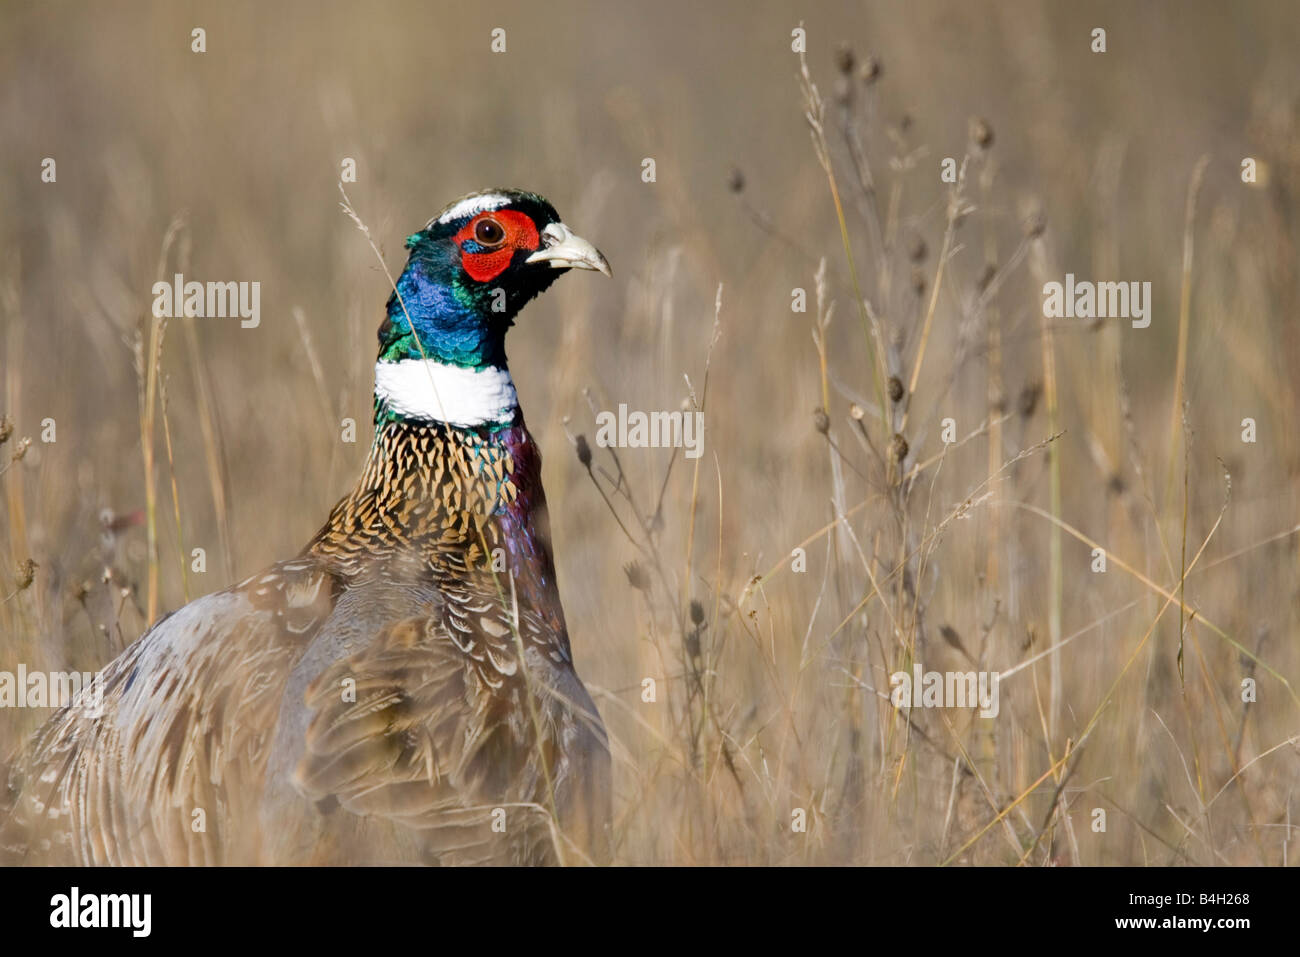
pixel 244 144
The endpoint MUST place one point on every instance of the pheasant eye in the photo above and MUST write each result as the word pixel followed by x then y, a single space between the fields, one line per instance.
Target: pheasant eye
pixel 488 232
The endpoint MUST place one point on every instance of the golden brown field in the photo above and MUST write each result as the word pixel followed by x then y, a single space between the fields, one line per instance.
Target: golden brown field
pixel 825 429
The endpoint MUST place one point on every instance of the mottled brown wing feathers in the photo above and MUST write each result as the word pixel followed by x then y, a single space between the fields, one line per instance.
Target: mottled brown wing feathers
pixel 171 771
pixel 431 726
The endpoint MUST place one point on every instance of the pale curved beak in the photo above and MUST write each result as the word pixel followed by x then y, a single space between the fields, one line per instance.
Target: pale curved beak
pixel 562 248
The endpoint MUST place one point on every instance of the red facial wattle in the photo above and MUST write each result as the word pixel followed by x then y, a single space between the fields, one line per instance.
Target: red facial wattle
pixel 520 233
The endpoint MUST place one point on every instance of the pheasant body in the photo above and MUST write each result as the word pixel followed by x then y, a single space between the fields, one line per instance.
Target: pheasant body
pixel 403 690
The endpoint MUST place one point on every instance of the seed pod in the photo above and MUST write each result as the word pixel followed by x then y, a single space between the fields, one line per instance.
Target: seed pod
pixel 26 573
pixel 981 133
pixel 1029 399
pixel 918 280
pixel 844 59
pixel 636 576
pixel 1036 224
pixel 949 634
pixel 821 421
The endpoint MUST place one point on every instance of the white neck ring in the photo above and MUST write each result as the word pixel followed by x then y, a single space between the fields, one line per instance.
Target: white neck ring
pixel 429 390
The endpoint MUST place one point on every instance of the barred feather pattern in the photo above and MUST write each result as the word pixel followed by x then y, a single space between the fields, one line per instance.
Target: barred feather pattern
pixel 402 691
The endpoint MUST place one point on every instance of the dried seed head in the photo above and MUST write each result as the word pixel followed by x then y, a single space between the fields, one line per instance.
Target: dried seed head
pixel 26 573
pixel 844 59
pixel 981 133
pixel 898 447
pixel 736 180
pixel 949 634
pixel 583 450
pixel 821 421
pixel 636 576
pixel 917 249
pixel 6 429
pixel 697 613
pixel 895 389
pixel 20 450
pixel 918 280
pixel 1036 224
pixel 1029 399
pixel 857 413
pixel 872 70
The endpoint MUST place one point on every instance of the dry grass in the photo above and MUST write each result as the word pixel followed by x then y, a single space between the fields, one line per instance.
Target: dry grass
pixel 1122 691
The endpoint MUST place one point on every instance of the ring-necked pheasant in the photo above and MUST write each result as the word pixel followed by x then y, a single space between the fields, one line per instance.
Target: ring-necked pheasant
pixel 403 690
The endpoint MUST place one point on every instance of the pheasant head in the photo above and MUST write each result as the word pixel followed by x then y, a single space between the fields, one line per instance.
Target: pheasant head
pixel 471 269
